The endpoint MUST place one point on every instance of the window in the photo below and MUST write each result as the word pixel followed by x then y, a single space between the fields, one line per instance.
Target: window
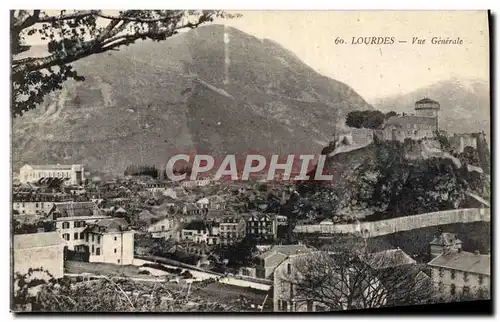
pixel 452 290
pixel 282 305
pixel 466 290
pixel 115 250
pixel 163 228
pixel 441 272
pixel 480 279
pixel 75 236
pixel 92 249
pixel 36 205
pixel 98 239
pixel 81 235
pixel 452 274
pixel 98 251
pixel 289 268
pixel 87 238
pixel 441 287
pixel 65 225
pixel 115 238
pixel 65 236
pixel 466 277
pixel 118 261
pixel 92 240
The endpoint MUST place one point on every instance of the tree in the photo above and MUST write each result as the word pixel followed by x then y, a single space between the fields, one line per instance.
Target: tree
pixel 365 119
pixel 346 278
pixel 70 36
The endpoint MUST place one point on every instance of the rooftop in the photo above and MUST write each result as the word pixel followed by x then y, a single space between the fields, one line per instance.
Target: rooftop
pixel 76 209
pixel 27 241
pixel 426 101
pixel 446 239
pixel 52 166
pixel 410 119
pixel 108 225
pixel 388 258
pixel 464 261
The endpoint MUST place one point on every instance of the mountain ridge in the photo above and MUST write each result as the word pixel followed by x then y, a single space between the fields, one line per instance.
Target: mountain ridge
pixel 193 91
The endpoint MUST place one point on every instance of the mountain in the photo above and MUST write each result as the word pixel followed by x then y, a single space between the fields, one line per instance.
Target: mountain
pixel 200 90
pixel 465 104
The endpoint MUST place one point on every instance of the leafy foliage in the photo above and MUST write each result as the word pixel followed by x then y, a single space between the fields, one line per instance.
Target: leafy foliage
pixel 365 119
pixel 71 36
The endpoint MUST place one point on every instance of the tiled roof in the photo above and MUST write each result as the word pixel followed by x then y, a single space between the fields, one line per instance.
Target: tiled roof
pixel 388 258
pixel 76 209
pixel 26 241
pixel 446 239
pixel 107 225
pixel 426 100
pixel 409 119
pixel 286 250
pixel 464 261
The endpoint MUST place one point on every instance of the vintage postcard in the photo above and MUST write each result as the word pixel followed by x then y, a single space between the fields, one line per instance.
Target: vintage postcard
pixel 250 161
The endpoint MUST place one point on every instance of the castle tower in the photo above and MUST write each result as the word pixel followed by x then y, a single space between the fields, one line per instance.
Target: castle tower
pixel 428 108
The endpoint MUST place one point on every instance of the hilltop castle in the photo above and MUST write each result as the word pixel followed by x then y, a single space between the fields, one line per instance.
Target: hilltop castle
pixel 424 124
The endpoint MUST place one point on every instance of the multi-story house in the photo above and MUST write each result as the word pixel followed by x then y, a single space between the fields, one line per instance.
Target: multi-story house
pixel 200 232
pixel 71 174
pixel 162 228
pixel 261 227
pixel 231 229
pixel 456 272
pixel 71 219
pixel 109 240
pixel 444 243
pixel 267 262
pixel 86 230
pixel 32 208
pixel 212 203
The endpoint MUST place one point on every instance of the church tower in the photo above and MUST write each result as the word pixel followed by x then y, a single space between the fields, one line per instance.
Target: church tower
pixel 428 108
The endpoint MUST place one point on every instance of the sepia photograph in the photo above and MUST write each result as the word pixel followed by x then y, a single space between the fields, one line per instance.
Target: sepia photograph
pixel 259 161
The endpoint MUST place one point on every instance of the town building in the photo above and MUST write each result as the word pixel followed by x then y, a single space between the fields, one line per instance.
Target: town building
pixel 71 219
pixel 200 232
pixel 43 250
pixel 190 184
pixel 424 124
pixel 456 272
pixel 212 203
pixel 162 227
pixel 109 240
pixel 72 174
pixel 32 208
pixel 267 262
pixel 261 227
pixel 444 243
pixel 231 229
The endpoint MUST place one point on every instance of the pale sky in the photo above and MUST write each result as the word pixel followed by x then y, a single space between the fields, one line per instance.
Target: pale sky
pixel 375 71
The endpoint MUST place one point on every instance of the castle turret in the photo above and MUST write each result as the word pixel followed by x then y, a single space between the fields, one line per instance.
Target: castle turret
pixel 428 108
